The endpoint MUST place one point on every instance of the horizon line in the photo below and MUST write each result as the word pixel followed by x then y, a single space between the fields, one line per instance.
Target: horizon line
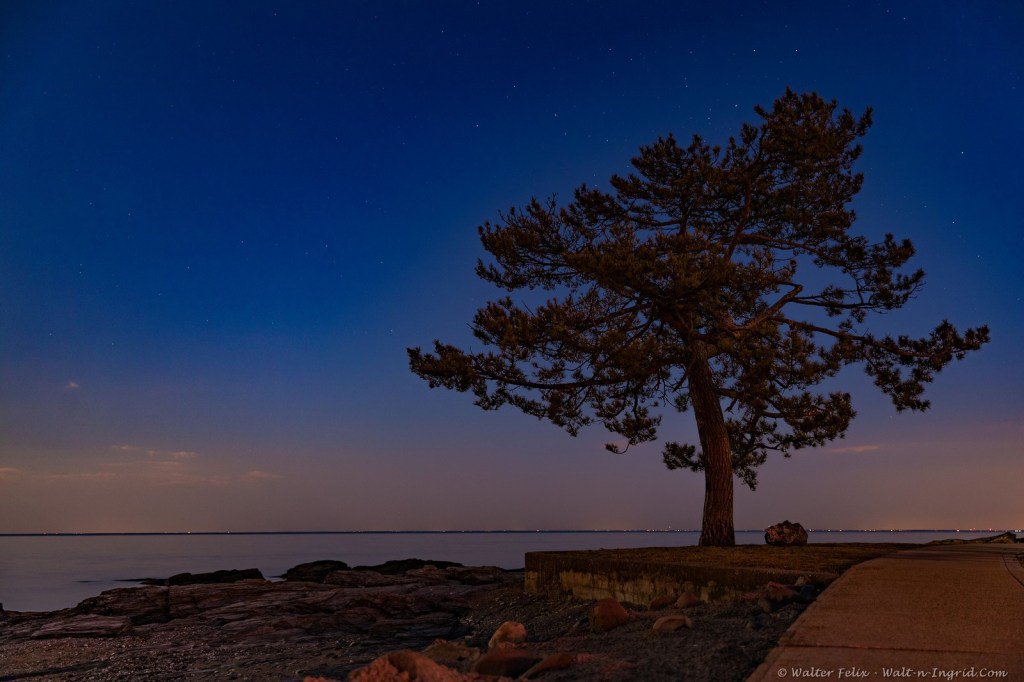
pixel 481 531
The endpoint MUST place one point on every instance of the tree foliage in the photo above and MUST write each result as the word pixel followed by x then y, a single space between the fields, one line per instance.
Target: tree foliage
pixel 739 258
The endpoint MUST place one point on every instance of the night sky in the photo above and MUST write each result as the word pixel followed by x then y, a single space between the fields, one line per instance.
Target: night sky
pixel 221 225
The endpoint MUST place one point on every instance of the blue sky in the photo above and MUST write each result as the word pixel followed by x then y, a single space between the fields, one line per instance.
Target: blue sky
pixel 221 224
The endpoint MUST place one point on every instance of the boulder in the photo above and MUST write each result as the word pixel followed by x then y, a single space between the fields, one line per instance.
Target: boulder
pixel 396 566
pixel 607 614
pixel 686 600
pixel 785 534
pixel 212 578
pixel 671 624
pixel 777 592
pixel 406 665
pixel 314 571
pixel 661 602
pixel 508 634
pixel 559 661
pixel 443 650
pixel 505 662
pixel 805 594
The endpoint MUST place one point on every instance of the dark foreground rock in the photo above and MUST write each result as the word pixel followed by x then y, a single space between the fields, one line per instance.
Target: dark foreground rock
pixel 785 534
pixel 314 571
pixel 399 566
pixel 287 630
pixel 214 577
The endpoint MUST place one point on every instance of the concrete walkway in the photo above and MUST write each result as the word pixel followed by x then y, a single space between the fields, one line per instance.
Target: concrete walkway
pixel 953 612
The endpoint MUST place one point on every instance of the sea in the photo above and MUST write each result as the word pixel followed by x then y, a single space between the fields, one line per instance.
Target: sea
pixel 54 571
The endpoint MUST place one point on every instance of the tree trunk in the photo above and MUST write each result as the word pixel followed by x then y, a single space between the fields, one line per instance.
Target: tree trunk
pixel 717 528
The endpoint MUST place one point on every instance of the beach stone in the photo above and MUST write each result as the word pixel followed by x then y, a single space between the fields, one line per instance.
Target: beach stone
pixel 508 634
pixel 778 592
pixel 661 602
pixel 607 614
pixel 505 662
pixel 314 571
pixel 559 661
pixel 785 534
pixel 806 594
pixel 686 600
pixel 443 650
pixel 671 624
pixel 406 665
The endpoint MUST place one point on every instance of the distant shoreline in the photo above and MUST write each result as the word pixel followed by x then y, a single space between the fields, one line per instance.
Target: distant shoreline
pixel 492 532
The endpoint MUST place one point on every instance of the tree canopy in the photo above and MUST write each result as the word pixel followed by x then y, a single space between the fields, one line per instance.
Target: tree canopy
pixel 725 279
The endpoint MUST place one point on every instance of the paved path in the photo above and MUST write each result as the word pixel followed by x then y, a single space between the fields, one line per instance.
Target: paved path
pixel 953 612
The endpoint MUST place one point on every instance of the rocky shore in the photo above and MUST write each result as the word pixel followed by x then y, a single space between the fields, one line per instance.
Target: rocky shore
pixel 402 620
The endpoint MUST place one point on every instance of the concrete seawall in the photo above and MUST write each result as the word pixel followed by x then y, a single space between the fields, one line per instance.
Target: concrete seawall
pixel 591 575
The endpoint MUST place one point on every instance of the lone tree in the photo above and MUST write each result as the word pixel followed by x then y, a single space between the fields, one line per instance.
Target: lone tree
pixel 725 279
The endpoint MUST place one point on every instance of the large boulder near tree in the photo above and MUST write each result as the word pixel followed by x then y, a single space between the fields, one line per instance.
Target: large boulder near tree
pixel 785 534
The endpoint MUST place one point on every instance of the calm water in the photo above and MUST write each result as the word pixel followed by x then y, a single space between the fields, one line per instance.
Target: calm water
pixel 52 572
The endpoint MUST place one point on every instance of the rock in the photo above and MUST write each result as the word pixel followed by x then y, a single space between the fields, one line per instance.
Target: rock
pixel 686 600
pixel 505 662
pixel 758 621
pixel 801 581
pixel 314 571
pixel 443 650
pixel 410 612
pixel 84 626
pixel 806 594
pixel 661 602
pixel 214 577
pixel 141 605
pixel 397 566
pixel 508 634
pixel 671 624
pixel 1003 538
pixel 559 661
pixel 364 579
pixel 607 614
pixel 777 592
pixel 475 575
pixel 785 534
pixel 401 666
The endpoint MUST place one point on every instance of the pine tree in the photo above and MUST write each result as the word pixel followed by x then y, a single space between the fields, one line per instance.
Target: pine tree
pixel 679 288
